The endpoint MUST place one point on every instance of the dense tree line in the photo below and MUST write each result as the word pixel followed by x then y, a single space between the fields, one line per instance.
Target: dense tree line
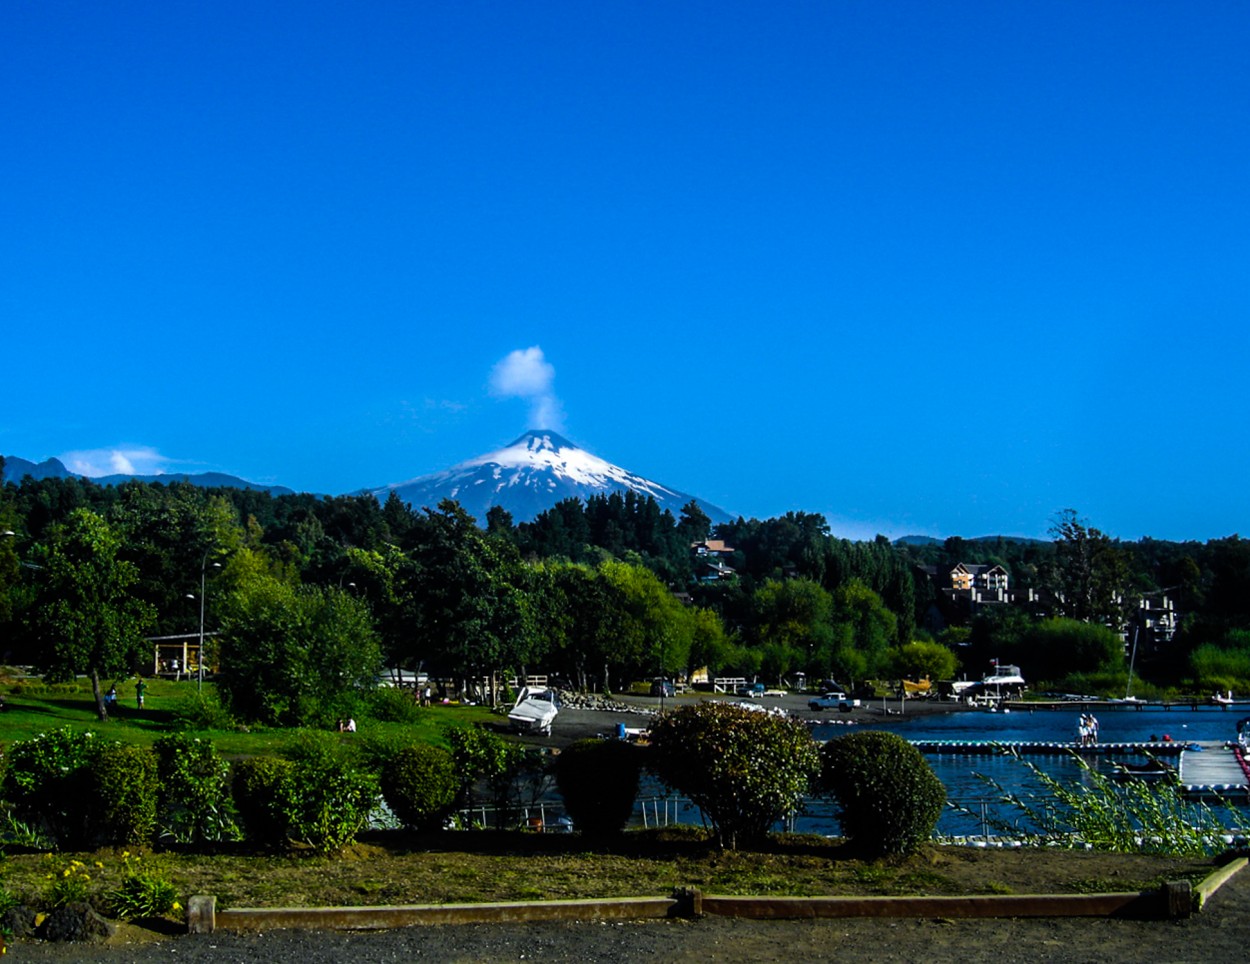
pixel 600 593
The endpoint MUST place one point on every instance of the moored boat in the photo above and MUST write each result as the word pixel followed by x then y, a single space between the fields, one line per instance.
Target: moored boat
pixel 535 711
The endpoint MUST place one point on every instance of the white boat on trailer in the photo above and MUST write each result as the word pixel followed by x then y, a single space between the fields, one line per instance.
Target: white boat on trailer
pixel 535 711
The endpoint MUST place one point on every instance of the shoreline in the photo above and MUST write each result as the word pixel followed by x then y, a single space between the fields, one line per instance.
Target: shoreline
pixel 582 723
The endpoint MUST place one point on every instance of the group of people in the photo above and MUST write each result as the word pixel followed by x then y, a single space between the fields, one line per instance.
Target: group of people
pixel 110 698
pixel 1087 729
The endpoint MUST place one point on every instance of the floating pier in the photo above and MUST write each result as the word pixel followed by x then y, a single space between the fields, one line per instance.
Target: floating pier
pixel 1058 748
pixel 1217 771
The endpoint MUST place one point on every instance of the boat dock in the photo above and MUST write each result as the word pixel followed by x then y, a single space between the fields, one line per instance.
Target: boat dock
pixel 1213 770
pixel 987 747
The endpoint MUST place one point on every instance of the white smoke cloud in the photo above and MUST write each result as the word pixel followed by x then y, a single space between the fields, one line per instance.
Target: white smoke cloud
pixel 526 374
pixel 125 460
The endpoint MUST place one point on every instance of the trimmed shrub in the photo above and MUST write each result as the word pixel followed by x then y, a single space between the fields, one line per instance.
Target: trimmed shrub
pixel 202 711
pixel 598 780
pixel 419 784
pixel 44 780
pixel 318 796
pixel 513 775
pixel 394 704
pixel 122 789
pixel 889 799
pixel 332 795
pixel 263 799
pixel 743 768
pixel 194 804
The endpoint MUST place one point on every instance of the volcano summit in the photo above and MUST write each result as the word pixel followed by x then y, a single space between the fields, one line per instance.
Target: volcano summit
pixel 531 475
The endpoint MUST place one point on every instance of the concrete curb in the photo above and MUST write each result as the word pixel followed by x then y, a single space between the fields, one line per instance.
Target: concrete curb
pixel 205 918
pixel 1203 892
pixel 1135 904
pixel 1173 900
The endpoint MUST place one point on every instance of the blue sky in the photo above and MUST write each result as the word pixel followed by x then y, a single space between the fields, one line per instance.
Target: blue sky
pixel 926 268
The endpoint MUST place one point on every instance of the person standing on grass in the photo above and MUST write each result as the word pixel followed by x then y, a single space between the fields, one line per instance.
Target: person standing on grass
pixel 140 688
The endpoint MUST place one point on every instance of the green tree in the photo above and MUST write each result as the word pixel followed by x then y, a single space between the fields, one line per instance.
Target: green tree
pixel 292 654
pixel 864 631
pixel 470 597
pixel 1056 648
pixel 85 617
pixel 920 660
pixel 653 631
pixel 694 524
pixel 793 626
pixel 1090 572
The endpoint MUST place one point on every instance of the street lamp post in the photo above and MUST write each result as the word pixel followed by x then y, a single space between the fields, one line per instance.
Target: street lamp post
pixel 199 659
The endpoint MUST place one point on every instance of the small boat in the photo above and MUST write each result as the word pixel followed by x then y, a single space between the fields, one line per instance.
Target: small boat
pixel 535 711
pixel 1153 770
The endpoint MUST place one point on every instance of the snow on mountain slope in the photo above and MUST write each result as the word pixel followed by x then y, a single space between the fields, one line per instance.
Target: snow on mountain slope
pixel 531 475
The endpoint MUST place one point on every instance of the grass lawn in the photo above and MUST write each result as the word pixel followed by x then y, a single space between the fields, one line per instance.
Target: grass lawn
pixel 33 707
pixel 450 867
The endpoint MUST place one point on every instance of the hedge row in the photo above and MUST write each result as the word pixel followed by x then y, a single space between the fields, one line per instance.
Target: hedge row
pixel 745 770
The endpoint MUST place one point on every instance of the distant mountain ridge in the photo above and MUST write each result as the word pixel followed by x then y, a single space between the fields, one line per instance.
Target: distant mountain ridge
pixel 526 478
pixel 935 541
pixel 16 469
pixel 530 476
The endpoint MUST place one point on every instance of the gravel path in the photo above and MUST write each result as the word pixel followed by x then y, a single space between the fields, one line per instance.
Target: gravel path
pixel 578 724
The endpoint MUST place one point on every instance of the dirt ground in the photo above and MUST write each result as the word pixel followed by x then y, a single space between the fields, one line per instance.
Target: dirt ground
pixel 1219 933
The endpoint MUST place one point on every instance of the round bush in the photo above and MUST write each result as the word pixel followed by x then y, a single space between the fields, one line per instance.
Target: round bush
pixel 598 780
pixel 889 799
pixel 45 781
pixel 123 786
pixel 419 784
pixel 194 804
pixel 395 704
pixel 263 798
pixel 743 768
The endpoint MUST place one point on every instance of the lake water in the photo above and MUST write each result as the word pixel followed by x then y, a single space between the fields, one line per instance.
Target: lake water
pixel 962 774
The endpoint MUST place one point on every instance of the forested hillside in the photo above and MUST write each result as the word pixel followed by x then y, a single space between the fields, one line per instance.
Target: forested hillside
pixel 326 590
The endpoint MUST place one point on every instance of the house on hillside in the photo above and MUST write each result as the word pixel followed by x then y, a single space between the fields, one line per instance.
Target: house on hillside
pixel 967 576
pixel 961 590
pixel 709 558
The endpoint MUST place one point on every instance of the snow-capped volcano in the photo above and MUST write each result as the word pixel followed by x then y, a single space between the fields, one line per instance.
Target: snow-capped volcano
pixel 531 475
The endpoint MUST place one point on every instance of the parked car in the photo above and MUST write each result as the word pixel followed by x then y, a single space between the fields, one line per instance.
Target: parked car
pixel 832 701
pixel 663 687
pixel 751 689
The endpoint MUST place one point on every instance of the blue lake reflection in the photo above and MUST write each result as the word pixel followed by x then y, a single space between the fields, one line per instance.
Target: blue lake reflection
pixel 962 774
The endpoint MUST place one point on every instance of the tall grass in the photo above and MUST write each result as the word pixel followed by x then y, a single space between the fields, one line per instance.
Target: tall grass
pixel 1101 814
